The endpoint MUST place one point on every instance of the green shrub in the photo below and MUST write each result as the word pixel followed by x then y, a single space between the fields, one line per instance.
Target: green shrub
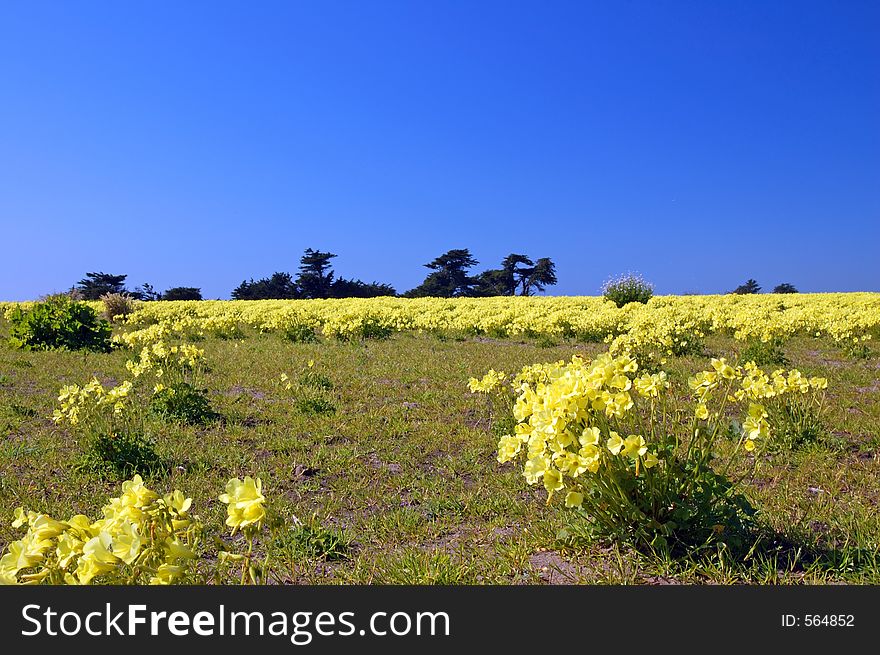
pixel 182 293
pixel 795 422
pixel 691 508
pixel 373 328
pixel 785 287
pixel 764 353
pixel 59 323
pixel 300 333
pixel 312 378
pixel 315 405
pixel 311 540
pixel 183 402
pixel 857 348
pixel 627 288
pixel 122 455
pixel 368 327
pixel 750 286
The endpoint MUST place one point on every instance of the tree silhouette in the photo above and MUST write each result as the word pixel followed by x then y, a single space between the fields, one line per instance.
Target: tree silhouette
pixel 749 287
pixel 450 278
pixel 342 288
pixel 315 277
pixel 542 275
pixel 519 268
pixel 182 293
pixel 279 287
pixel 785 287
pixel 494 282
pixel 95 285
pixel 517 272
pixel 146 292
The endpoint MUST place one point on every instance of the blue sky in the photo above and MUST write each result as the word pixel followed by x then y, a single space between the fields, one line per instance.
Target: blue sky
pixel 202 143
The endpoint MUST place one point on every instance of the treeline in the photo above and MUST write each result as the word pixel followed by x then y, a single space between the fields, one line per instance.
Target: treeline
pixel 450 277
pixel 751 286
pixel 316 279
pixel 95 285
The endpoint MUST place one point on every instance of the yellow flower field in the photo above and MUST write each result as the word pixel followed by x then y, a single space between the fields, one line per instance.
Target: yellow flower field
pixel 670 321
pixel 448 440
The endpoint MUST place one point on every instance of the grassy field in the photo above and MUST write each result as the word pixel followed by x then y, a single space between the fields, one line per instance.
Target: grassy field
pixel 389 474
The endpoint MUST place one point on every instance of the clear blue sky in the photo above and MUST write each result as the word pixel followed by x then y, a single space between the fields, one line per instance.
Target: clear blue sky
pixel 201 143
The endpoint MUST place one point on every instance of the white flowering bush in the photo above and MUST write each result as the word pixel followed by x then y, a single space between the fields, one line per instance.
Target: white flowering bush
pixel 627 288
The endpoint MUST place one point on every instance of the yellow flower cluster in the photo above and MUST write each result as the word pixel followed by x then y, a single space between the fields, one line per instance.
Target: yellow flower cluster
pixel 161 360
pixel 290 317
pixel 575 417
pixel 93 406
pixel 183 324
pixel 244 500
pixel 663 331
pixel 78 401
pixel 753 385
pixel 142 537
pixel 670 322
pixel 563 419
pixel 489 382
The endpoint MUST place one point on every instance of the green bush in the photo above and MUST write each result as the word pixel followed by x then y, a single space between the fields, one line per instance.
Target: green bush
pixel 182 293
pixel 122 455
pixel 785 287
pixel 857 348
pixel 183 402
pixel 764 353
pixel 369 327
pixel 692 508
pixel 311 540
pixel 59 323
pixel 626 289
pixel 315 405
pixel 795 422
pixel 312 378
pixel 373 328
pixel 300 333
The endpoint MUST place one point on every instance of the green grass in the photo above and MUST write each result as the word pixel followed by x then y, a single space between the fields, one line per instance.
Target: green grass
pixel 400 477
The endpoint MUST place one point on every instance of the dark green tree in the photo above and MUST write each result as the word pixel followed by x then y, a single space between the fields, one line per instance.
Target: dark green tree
pixel 95 285
pixel 749 287
pixel 315 277
pixel 785 287
pixel 519 268
pixel 450 278
pixel 494 282
pixel 278 287
pixel 542 275
pixel 182 293
pixel 146 292
pixel 342 288
pixel 517 272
